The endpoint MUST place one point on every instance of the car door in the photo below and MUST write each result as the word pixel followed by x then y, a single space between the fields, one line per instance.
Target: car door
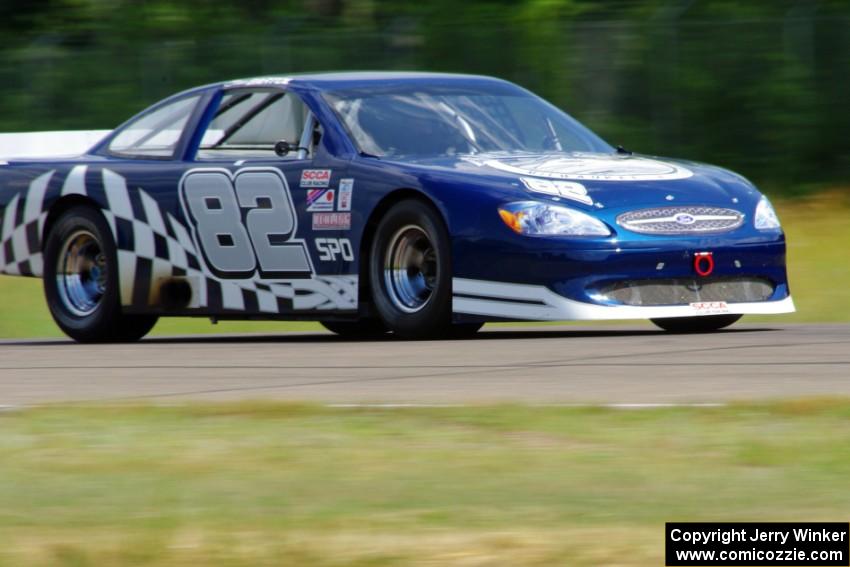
pixel 265 207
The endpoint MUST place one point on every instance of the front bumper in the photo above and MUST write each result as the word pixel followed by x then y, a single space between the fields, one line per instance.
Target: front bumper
pixel 538 303
pixel 525 278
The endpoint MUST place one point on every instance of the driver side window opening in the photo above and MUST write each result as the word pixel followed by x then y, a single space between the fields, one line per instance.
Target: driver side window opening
pixel 249 122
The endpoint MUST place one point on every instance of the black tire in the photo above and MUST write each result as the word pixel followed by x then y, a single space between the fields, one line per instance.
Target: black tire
pixel 431 319
pixel 101 320
pixel 706 324
pixel 362 329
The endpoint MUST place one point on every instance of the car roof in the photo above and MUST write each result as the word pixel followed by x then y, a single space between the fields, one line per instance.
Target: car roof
pixel 347 79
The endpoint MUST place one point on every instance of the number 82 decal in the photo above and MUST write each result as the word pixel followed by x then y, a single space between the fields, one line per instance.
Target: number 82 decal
pixel 245 223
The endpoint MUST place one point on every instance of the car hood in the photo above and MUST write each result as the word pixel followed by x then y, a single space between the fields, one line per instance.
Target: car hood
pixel 606 180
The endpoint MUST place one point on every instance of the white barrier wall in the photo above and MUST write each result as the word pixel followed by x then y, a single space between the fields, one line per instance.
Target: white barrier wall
pixel 48 144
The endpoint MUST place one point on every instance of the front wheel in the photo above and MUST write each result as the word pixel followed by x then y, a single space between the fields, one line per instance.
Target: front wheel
pixel 410 271
pixel 706 324
pixel 81 281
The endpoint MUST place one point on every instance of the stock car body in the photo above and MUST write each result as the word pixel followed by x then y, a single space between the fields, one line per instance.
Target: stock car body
pixel 422 204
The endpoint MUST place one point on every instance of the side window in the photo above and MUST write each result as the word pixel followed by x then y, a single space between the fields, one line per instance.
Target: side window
pixel 248 123
pixel 155 134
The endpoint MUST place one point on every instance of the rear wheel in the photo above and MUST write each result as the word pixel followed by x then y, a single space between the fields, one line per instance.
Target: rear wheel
pixel 81 281
pixel 364 328
pixel 705 324
pixel 410 272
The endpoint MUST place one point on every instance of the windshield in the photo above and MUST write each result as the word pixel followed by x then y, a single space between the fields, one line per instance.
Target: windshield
pixel 436 120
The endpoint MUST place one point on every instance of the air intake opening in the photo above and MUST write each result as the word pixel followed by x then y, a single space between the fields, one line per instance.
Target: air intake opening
pixel 683 291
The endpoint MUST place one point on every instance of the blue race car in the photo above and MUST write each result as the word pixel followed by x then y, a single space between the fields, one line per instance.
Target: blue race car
pixel 413 203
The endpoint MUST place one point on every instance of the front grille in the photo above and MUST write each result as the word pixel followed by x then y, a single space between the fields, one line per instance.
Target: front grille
pixel 683 291
pixel 681 220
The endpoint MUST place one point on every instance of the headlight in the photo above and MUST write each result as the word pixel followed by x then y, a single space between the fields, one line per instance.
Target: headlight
pixel 541 219
pixel 765 218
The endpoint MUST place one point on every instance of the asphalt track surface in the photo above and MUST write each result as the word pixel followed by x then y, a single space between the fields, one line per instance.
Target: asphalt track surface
pixel 544 365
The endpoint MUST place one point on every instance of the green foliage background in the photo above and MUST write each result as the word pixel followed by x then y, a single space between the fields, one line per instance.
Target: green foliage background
pixel 760 87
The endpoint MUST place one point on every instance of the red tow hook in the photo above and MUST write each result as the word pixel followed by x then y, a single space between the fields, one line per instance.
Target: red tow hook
pixel 703 263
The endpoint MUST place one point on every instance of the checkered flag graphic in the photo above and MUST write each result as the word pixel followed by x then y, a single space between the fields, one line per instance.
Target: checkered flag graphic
pixel 153 246
pixel 20 230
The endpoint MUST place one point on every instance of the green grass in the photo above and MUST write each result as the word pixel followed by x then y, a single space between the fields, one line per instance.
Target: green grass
pixel 23 313
pixel 818 235
pixel 818 232
pixel 273 484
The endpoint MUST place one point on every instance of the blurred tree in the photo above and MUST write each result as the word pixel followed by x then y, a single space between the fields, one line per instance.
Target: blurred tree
pixel 760 86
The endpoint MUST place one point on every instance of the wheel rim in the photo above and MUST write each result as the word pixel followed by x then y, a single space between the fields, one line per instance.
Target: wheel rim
pixel 81 273
pixel 410 269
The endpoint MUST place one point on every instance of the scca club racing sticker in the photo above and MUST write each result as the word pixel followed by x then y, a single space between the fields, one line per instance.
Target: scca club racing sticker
pixel 320 200
pixel 594 167
pixel 315 178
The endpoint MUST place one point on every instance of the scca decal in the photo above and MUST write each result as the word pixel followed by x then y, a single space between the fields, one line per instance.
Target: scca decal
pixel 315 178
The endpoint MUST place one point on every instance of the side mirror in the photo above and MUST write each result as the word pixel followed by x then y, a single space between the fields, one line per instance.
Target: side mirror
pixel 283 147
